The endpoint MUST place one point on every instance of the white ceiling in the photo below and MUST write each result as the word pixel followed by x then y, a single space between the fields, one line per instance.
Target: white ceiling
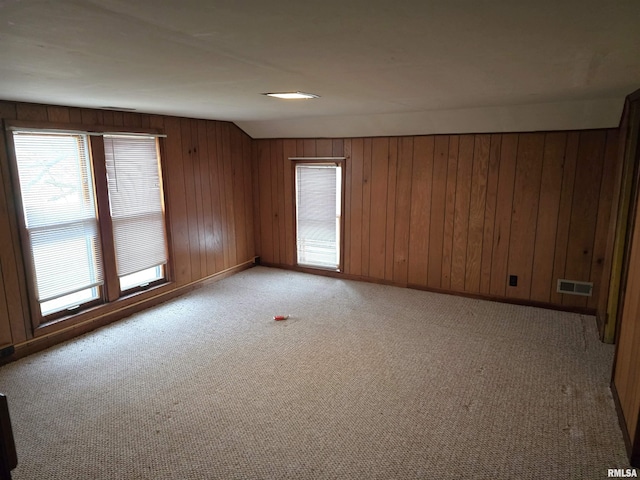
pixel 380 67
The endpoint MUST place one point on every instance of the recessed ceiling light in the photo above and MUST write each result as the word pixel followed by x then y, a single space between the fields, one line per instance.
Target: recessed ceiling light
pixel 292 95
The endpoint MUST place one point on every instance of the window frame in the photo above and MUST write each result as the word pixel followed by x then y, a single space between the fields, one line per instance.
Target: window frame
pixel 323 161
pixel 110 290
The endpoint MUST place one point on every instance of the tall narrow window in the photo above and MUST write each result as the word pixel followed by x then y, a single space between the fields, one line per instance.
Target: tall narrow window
pixel 137 210
pixel 56 184
pixel 318 214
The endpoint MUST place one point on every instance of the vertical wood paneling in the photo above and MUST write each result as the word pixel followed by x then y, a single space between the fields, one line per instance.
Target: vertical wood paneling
pixel 31 112
pixel 264 182
pixel 402 210
pixel 207 260
pixel 347 211
pixel 378 229
pixel 118 117
pixel 608 308
pixel 214 144
pixel 5 326
pixel 482 144
pixel 564 212
pixel 14 291
pixel 490 213
pixel 130 119
pixel 248 195
pixel 178 216
pixel 107 117
pixel 224 194
pixel 255 188
pixel 366 206
pixel 155 121
pixel 228 189
pixel 94 117
pixel 550 190
pixel 502 224
pixel 391 209
pixel 627 364
pixel 197 160
pixel 13 313
pixel 623 376
pixel 420 210
pixel 58 114
pixel 289 150
pixel 190 193
pixel 279 203
pixel 526 197
pixel 357 180
pixel 450 211
pixel 584 210
pixel 461 218
pixel 308 148
pixel 216 200
pixel 75 116
pixel 324 147
pixel 145 120
pixel 603 222
pixel 208 255
pixel 282 204
pixel 337 147
pixel 438 205
pixel 238 175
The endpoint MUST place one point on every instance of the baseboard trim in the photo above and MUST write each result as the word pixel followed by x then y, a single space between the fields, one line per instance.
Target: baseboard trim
pixel 65 333
pixel 512 301
pixel 492 298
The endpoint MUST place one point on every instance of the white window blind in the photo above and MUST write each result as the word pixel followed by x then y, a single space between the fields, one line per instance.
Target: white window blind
pixel 318 215
pixel 59 210
pixel 137 211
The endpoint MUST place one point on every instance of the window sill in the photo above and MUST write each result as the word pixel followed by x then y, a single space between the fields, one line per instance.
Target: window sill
pixel 318 267
pixel 103 309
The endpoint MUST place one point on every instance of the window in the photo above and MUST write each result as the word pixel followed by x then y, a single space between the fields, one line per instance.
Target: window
pixel 137 213
pixel 60 218
pixel 318 214
pixel 65 225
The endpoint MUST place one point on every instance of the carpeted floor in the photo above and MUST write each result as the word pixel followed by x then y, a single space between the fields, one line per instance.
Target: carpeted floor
pixel 362 382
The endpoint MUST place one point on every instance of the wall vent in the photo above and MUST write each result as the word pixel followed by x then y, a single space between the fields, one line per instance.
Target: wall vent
pixel 575 288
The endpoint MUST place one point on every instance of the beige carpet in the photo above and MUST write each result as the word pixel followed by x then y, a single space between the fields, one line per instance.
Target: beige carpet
pixel 362 382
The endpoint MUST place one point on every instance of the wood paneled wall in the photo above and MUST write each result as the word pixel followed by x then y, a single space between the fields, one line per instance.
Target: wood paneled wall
pixel 454 213
pixel 209 204
pixel 457 213
pixel 625 380
pixel 626 376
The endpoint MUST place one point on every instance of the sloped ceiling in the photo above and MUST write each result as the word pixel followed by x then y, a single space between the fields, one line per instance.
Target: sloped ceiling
pixel 380 67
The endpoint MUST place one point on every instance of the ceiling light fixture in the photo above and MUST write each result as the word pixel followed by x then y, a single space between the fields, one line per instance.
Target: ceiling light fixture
pixel 292 95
